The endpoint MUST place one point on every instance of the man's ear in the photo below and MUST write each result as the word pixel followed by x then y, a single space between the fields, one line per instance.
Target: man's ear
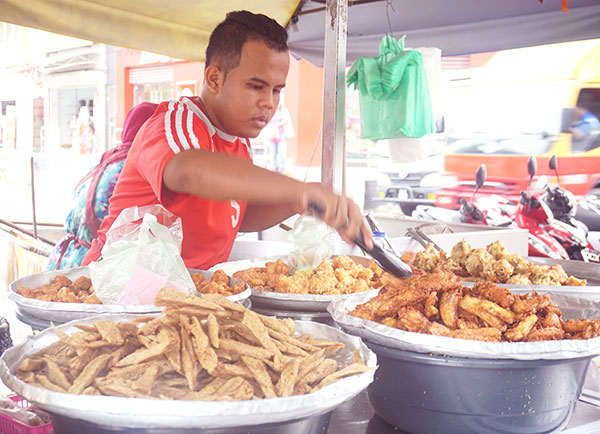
pixel 213 78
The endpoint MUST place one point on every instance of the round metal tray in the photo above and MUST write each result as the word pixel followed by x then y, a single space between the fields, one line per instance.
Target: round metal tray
pixel 64 312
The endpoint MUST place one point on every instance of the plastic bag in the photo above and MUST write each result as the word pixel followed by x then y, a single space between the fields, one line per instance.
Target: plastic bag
pixel 313 241
pixel 141 255
pixel 393 91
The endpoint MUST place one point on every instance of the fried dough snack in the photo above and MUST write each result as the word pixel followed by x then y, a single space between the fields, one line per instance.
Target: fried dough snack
pixel 493 264
pixel 219 283
pixel 438 304
pixel 62 289
pixel 201 348
pixel 340 275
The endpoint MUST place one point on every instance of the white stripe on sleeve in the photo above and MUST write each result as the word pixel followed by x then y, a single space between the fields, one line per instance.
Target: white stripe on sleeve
pixel 168 131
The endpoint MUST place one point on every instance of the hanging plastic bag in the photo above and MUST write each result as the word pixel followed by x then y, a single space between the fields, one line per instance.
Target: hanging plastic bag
pixel 141 255
pixel 313 241
pixel 393 92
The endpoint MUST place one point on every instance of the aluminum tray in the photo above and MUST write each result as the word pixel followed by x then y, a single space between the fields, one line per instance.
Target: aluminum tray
pixel 64 312
pixel 285 301
pixel 133 413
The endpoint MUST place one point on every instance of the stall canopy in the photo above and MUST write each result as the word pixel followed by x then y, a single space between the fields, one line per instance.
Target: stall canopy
pixel 455 26
pixel 177 28
pixel 180 28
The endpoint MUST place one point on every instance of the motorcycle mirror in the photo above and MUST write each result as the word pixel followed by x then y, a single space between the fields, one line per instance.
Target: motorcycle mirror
pixel 480 176
pixel 552 164
pixel 531 169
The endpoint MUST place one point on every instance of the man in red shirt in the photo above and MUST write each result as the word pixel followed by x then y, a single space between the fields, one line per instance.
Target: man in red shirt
pixel 193 156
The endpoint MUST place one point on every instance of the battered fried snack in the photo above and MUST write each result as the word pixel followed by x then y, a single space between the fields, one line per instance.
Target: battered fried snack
pixel 62 289
pixel 438 304
pixel 219 283
pixel 340 275
pixel 200 348
pixel 493 264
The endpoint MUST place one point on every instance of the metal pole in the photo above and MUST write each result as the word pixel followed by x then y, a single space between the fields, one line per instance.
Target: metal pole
pixel 35 234
pixel 334 96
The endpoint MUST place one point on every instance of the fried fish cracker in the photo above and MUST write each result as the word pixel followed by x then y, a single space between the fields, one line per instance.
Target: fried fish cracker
pixel 307 364
pixel 325 368
pixel 287 380
pixel 141 319
pixel 31 364
pixel 357 357
pixel 91 390
pixel 204 352
pixel 224 302
pixel 109 331
pixel 61 334
pixel 56 375
pixel 188 362
pixel 259 371
pixel 259 331
pixel 276 324
pixel 245 349
pixel 174 350
pixel 143 354
pixel 86 328
pixel 89 373
pixel 352 369
pixel 43 381
pixel 146 381
pixel 212 387
pixel 128 328
pixel 119 387
pixel 232 370
pixel 330 347
pixel 171 297
pixel 293 341
pixel 213 330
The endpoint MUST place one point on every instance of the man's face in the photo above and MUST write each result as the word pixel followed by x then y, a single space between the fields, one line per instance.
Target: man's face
pixel 249 95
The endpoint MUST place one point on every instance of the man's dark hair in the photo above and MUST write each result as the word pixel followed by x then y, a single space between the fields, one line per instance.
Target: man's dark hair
pixel 226 40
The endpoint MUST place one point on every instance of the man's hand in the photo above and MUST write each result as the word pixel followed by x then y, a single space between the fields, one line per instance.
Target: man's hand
pixel 339 212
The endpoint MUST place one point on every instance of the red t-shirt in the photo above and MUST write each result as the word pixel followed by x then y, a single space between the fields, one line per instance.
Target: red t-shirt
pixel 209 226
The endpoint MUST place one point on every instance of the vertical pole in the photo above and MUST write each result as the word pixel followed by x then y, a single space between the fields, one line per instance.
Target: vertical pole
pixel 35 234
pixel 334 96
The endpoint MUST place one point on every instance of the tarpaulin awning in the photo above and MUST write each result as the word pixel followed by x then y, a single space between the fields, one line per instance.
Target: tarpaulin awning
pixel 177 28
pixel 454 26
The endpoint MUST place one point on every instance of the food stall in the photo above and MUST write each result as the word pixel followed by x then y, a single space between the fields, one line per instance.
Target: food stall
pixel 343 408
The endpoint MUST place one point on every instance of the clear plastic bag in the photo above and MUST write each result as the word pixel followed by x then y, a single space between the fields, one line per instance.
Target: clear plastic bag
pixel 313 241
pixel 141 255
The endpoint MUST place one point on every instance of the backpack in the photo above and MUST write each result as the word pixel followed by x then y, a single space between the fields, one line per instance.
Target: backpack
pixel 92 195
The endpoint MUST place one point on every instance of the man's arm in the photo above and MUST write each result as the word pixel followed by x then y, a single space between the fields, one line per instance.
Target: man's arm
pixel 219 176
pixel 259 217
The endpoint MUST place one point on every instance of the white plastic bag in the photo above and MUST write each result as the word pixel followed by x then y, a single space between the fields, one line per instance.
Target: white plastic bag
pixel 141 255
pixel 313 241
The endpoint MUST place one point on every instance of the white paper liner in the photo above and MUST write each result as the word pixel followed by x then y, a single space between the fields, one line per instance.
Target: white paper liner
pixel 63 312
pixel 156 413
pixel 282 300
pixel 425 343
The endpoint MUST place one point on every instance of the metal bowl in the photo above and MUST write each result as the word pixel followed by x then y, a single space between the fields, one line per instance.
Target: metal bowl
pixel 429 394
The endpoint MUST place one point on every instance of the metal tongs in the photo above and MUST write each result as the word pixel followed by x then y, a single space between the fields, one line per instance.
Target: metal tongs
pixel 418 233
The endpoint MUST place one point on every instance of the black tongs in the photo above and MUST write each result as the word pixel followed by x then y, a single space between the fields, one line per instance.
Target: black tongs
pixel 387 260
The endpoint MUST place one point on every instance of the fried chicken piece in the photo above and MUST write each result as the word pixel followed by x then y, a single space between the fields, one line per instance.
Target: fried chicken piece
pixel 449 307
pixel 255 277
pixel 552 319
pixel 62 281
pixel 412 320
pixel 323 282
pixel 460 252
pixel 83 283
pixel 497 250
pixel 430 308
pixel 488 290
pixel 522 329
pixel 476 261
pixel 277 267
pixel 487 334
pixel 344 262
pixel 545 334
pixel 220 277
pixel 438 329
pixel 476 307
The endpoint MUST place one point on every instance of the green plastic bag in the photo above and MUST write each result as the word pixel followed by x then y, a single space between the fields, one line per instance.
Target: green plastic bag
pixel 393 91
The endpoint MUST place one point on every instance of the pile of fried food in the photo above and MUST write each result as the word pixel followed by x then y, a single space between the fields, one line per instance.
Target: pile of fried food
pixel 219 283
pixel 493 264
pixel 62 289
pixel 340 275
pixel 200 348
pixel 438 304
